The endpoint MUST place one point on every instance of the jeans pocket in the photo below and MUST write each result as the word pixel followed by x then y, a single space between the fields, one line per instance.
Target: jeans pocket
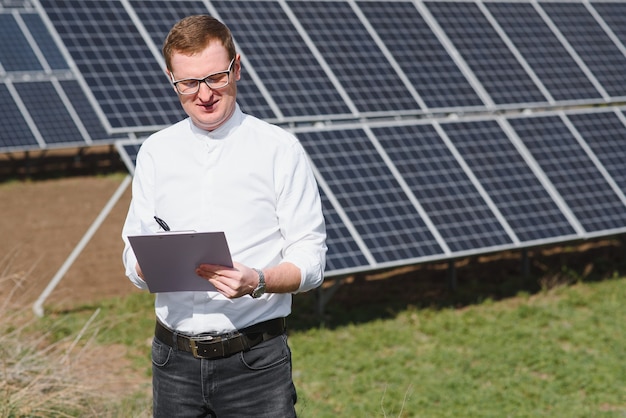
pixel 161 353
pixel 267 354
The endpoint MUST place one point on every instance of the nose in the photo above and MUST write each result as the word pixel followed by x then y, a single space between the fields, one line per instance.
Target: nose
pixel 205 92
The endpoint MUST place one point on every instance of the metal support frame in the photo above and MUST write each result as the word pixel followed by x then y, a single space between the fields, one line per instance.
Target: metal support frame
pixel 38 305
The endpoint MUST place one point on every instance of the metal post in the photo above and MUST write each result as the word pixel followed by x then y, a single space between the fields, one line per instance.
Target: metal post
pixel 38 306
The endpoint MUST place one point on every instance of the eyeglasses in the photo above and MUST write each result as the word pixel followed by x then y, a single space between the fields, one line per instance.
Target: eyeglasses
pixel 215 81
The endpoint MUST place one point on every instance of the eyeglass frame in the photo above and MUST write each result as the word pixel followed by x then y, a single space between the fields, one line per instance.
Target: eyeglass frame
pixel 205 79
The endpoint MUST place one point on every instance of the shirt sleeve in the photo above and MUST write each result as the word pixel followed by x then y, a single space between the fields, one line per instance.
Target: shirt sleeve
pixel 140 213
pixel 301 221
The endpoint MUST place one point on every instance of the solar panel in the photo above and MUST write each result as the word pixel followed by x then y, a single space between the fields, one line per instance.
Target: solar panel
pixel 128 151
pixel 422 57
pixel 370 195
pixel 604 133
pixel 36 27
pixel 614 15
pixel 572 172
pixel 88 116
pixel 547 56
pixel 511 184
pixel 125 79
pixel 368 86
pixel 344 253
pixel 49 113
pixel 285 64
pixel 444 190
pixel 354 57
pixel 487 55
pixel 592 43
pixel 16 133
pixel 15 51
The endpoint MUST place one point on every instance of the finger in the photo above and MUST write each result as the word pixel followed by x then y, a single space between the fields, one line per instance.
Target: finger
pixel 223 288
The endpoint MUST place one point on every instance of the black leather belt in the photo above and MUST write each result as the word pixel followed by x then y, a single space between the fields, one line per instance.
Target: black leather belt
pixel 223 345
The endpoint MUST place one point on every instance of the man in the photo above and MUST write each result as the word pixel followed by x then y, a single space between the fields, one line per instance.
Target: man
pixel 224 353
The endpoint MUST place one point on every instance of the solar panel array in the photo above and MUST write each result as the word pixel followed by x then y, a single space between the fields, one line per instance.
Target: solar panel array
pixel 437 129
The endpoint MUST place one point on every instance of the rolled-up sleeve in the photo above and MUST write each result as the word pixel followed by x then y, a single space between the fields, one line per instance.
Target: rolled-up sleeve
pixel 301 220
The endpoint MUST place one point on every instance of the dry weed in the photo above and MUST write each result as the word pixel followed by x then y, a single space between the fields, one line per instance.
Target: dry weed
pixel 44 377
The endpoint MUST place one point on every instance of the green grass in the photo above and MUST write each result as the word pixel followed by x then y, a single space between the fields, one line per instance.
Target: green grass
pixel 556 352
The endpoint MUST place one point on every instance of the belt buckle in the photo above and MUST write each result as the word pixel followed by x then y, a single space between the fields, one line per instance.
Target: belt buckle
pixel 194 346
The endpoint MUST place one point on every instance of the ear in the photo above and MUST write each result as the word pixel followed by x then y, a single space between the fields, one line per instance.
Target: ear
pixel 237 67
pixel 170 76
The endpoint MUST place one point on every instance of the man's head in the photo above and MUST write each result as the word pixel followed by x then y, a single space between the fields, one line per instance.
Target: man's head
pixel 202 48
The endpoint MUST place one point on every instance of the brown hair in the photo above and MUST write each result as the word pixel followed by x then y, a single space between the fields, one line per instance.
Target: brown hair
pixel 193 33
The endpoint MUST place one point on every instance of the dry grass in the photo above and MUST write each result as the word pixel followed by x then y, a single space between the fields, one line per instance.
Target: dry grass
pixel 42 375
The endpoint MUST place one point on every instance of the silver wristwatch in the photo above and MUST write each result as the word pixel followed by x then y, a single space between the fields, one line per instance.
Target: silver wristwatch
pixel 260 289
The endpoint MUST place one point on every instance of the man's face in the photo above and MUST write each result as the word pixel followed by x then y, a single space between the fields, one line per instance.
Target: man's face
pixel 208 109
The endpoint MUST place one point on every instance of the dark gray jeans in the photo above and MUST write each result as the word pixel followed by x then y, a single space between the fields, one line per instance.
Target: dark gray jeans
pixel 257 383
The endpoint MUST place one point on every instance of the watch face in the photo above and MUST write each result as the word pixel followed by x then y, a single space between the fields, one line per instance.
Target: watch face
pixel 258 292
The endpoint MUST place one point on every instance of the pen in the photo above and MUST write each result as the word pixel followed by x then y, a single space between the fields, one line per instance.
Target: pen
pixel 162 223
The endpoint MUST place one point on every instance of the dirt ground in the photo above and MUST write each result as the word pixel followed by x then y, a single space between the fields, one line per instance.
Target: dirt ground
pixel 41 224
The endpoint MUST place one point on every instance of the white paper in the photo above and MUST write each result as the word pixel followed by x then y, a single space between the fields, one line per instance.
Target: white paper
pixel 168 260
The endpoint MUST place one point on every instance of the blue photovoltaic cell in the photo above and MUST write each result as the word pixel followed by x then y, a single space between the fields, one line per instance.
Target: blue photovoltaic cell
pixel 116 63
pixel 502 76
pixel 578 181
pixel 509 181
pixel 417 50
pixel 44 40
pixel 285 64
pixel 15 52
pixel 614 14
pixel 343 252
pixel 15 132
pixel 49 113
pixel 131 151
pixel 85 111
pixel 441 186
pixel 371 197
pixel 158 17
pixel 358 63
pixel 606 136
pixel 591 43
pixel 548 58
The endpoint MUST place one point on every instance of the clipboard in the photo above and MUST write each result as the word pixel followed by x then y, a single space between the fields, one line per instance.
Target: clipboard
pixel 168 260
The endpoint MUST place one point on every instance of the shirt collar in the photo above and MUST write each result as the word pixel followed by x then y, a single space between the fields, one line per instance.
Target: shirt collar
pixel 223 131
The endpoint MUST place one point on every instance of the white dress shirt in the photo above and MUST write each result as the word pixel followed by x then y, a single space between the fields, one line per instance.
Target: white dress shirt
pixel 247 178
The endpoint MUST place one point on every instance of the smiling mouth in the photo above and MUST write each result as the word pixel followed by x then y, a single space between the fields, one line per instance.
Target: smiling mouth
pixel 209 105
